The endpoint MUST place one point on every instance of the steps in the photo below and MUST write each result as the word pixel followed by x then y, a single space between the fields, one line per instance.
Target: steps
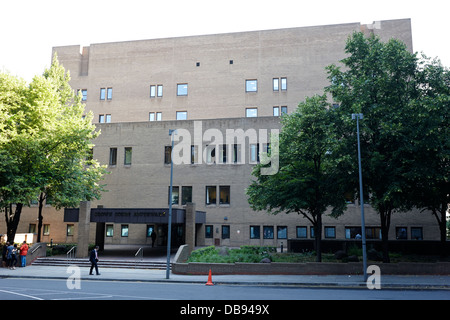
pixel 104 263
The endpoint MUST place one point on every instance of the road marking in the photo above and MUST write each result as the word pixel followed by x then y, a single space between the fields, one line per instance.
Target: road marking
pixel 20 294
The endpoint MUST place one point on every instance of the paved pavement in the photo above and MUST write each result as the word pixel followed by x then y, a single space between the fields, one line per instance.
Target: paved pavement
pixel 431 282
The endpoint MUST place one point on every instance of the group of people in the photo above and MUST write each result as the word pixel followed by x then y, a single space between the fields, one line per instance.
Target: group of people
pixel 10 253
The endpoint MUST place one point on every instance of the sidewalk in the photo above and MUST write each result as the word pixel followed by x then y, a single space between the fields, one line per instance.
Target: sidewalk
pixel 146 275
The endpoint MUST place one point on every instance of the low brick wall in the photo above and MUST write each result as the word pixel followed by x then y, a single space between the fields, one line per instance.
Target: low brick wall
pixel 310 268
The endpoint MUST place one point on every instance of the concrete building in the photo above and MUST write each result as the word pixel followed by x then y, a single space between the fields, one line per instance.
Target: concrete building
pixel 205 87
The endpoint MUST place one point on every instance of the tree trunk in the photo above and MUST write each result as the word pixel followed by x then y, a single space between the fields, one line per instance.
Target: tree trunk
pixel 318 238
pixel 40 218
pixel 12 221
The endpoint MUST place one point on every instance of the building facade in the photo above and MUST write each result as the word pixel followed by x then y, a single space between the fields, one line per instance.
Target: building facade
pixel 224 94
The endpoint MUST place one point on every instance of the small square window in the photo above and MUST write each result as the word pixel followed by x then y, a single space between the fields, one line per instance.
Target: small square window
pixel 268 232
pixel 181 115
pixel 251 85
pixel 330 232
pixel 251 112
pixel 231 61
pixel 255 232
pixel 302 232
pixel 197 64
pixel 281 232
pixel 182 89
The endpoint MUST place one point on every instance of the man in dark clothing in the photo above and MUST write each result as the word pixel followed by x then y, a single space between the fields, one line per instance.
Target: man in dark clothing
pixel 93 258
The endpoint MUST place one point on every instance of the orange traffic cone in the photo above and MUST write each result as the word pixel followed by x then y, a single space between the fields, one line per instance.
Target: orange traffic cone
pixel 209 283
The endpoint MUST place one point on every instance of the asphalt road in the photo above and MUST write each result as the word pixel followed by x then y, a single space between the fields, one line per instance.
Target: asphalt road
pixel 48 289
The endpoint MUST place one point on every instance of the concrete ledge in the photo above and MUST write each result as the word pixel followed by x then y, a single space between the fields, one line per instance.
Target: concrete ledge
pixel 310 268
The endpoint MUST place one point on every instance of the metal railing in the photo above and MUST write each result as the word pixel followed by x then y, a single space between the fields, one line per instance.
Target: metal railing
pixel 71 254
pixel 138 256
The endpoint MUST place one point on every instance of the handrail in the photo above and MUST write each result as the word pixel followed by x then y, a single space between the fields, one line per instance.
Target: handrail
pixel 35 249
pixel 139 255
pixel 71 254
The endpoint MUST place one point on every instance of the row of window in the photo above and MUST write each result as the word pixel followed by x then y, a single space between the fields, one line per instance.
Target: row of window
pixel 156 90
pixel 213 194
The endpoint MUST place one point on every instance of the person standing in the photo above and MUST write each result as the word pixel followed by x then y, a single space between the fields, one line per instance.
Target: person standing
pixel 11 256
pixel 23 254
pixel 93 258
pixel 5 260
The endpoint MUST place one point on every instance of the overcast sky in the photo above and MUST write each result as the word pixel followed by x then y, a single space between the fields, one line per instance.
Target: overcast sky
pixel 30 28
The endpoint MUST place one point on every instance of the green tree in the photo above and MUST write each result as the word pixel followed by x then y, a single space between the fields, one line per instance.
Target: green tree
pixel 45 145
pixel 309 180
pixel 384 82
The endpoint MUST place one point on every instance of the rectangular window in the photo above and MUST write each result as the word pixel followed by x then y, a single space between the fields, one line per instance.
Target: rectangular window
pixel 109 94
pixel 283 84
pixel 152 91
pixel 281 232
pixel 151 116
pixel 353 232
pixel 109 230
pixel 150 230
pixel 32 228
pixel 158 116
pixel 255 232
pixel 101 118
pixel 268 232
pixel 302 232
pixel 83 94
pixel 70 229
pixel 416 233
pixel 211 154
pixel 175 194
pixel 194 154
pixel 209 229
pixel 186 195
pixel 401 233
pixel 225 232
pixel 181 115
pixel 251 112
pixel 46 229
pixel 211 195
pixel 251 85
pixel 112 156
pixel 330 232
pixel 283 109
pixel 102 93
pixel 124 230
pixel 224 194
pixel 160 91
pixel 182 89
pixel 276 84
pixel 128 155
pixel 108 118
pixel 276 111
pixel 167 154
pixel 254 153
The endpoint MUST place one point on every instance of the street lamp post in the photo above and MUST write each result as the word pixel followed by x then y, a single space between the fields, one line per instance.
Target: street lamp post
pixel 169 225
pixel 359 116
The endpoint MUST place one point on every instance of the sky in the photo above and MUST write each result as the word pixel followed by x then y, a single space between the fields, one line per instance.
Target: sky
pixel 30 28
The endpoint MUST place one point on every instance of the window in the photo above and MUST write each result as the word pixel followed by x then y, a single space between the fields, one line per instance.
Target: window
pixel 330 232
pixel 282 232
pixel 276 111
pixel 112 156
pixel 101 118
pixel 401 233
pixel 102 93
pixel 108 118
pixel 373 233
pixel 211 195
pixel 283 109
pixel 353 232
pixel 182 89
pixel 210 154
pixel 254 153
pixel 194 154
pixel 155 116
pixel 124 230
pixel 186 195
pixel 255 232
pixel 416 233
pixel 225 232
pixel 128 155
pixel 251 112
pixel 150 229
pixel 224 192
pixel 83 94
pixel 32 228
pixel 70 229
pixel 167 154
pixel 160 90
pixel 109 230
pixel 181 115
pixel 175 195
pixel 283 84
pixel 302 232
pixel 209 229
pixel 152 91
pixel 46 229
pixel 276 84
pixel 268 232
pixel 251 85
pixel 109 94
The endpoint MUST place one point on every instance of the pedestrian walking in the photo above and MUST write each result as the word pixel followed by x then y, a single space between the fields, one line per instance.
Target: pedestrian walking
pixel 93 258
pixel 23 254
pixel 153 235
